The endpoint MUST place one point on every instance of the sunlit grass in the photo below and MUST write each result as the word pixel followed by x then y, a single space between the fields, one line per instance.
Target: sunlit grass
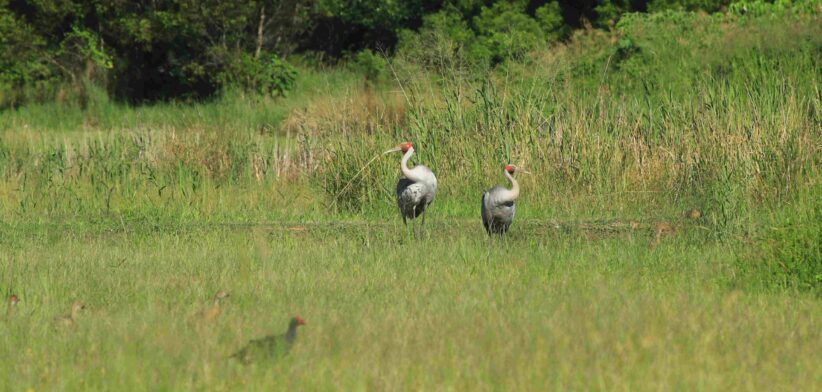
pixel 556 309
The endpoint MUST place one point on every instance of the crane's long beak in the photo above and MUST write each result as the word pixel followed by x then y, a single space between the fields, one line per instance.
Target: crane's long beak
pixel 395 149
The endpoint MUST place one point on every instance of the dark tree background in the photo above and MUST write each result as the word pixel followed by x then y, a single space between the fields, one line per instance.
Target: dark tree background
pixel 141 51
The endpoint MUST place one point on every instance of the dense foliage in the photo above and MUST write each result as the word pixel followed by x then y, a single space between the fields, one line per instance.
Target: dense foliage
pixel 144 51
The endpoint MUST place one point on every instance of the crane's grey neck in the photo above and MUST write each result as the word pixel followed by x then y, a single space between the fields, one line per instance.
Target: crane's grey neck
pixel 513 193
pixel 407 172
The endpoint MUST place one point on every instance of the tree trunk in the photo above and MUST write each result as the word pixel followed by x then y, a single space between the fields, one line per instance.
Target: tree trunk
pixel 260 33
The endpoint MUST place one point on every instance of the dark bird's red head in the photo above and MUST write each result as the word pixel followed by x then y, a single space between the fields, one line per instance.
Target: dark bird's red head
pixel 510 169
pixel 298 320
pixel 405 146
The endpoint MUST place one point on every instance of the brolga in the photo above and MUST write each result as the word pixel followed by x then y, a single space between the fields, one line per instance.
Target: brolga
pixel 498 205
pixel 416 188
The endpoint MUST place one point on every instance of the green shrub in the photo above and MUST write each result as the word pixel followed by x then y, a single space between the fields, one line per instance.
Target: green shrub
pixel 268 75
pixel 507 31
pixel 687 5
pixel 549 17
pixel 279 76
pixel 608 13
pixel 500 32
pixel 80 49
pixel 20 49
pixel 370 64
pixel 31 73
pixel 774 7
pixel 444 41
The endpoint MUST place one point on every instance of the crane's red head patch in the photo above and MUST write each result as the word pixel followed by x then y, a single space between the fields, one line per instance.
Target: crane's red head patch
pixel 299 320
pixel 405 146
pixel 13 299
pixel 510 168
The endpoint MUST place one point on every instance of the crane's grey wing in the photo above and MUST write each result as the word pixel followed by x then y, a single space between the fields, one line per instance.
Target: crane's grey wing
pixel 402 197
pixel 402 185
pixel 411 198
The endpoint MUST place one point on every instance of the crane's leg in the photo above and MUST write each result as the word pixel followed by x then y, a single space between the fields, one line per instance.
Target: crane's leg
pixel 404 219
pixel 502 234
pixel 414 220
pixel 422 230
pixel 486 224
pixel 404 223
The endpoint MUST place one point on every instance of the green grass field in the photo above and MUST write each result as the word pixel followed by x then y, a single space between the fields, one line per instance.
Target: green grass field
pixel 143 213
pixel 567 308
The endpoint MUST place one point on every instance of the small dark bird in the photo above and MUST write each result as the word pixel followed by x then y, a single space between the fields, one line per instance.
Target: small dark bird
pixel 212 312
pixel 12 305
pixel 268 347
pixel 70 318
pixel 693 213
pixel 660 229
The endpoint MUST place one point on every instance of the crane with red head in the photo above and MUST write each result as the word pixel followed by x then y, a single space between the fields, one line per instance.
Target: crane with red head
pixel 416 188
pixel 498 205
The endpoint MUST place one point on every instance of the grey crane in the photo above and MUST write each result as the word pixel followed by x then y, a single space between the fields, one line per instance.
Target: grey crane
pixel 498 205
pixel 416 188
